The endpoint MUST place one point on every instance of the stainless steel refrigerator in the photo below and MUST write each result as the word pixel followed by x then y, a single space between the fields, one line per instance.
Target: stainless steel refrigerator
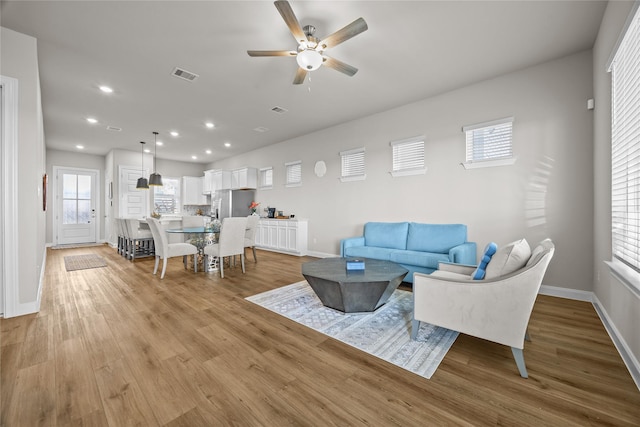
pixel 228 203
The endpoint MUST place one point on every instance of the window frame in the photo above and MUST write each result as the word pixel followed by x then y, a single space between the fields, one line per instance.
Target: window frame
pixel 396 150
pixel 625 262
pixel 471 163
pixel 288 166
pixel 353 159
pixel 262 175
pixel 178 198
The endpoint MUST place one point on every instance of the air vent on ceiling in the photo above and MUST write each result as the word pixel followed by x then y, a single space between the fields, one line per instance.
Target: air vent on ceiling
pixel 279 110
pixel 184 74
pixel 261 129
pixel 113 128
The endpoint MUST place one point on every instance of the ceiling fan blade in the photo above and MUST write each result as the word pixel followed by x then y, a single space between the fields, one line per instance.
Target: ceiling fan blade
pixel 351 30
pixel 272 53
pixel 338 65
pixel 290 19
pixel 301 74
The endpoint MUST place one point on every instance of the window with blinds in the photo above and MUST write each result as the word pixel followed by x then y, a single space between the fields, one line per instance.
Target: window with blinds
pixel 293 171
pixel 408 156
pixel 625 148
pixel 266 178
pixel 352 165
pixel 489 143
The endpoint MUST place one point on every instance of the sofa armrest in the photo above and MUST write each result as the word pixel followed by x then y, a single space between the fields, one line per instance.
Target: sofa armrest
pixel 457 268
pixel 464 254
pixel 350 242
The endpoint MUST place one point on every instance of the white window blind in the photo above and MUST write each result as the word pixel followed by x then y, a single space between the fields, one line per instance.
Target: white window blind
pixel 408 156
pixel 625 148
pixel 352 165
pixel 489 141
pixel 266 177
pixel 293 173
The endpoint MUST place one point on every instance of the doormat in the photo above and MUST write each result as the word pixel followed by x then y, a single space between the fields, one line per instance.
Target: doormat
pixel 83 262
pixel 384 333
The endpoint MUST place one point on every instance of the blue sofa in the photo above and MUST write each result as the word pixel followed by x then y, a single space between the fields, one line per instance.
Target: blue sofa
pixel 415 246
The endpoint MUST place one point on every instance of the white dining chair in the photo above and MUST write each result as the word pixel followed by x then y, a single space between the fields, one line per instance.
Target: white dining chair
pixel 165 250
pixel 230 242
pixel 250 234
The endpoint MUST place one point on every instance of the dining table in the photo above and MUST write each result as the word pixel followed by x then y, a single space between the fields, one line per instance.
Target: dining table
pixel 200 237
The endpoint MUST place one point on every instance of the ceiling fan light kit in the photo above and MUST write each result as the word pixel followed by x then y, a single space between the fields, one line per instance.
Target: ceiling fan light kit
pixel 310 55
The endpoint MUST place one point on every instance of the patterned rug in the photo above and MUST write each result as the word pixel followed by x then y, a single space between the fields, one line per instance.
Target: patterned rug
pixel 82 262
pixel 384 333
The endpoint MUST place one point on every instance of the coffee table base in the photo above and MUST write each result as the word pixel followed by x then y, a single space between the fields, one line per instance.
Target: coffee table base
pixel 352 297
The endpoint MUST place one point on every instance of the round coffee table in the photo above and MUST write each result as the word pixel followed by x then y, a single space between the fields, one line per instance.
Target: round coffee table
pixel 353 291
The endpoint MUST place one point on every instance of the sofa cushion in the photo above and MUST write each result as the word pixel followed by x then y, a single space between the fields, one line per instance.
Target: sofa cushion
pixel 450 275
pixel 480 271
pixel 508 259
pixel 369 252
pixel 392 235
pixel 435 237
pixel 419 259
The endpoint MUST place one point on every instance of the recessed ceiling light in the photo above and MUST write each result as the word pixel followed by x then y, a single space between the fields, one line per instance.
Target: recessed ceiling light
pixel 209 125
pixel 174 133
pixel 227 144
pixel 208 151
pixel 92 120
pixel 159 142
pixel 146 150
pixel 80 147
pixel 106 89
pixel 194 157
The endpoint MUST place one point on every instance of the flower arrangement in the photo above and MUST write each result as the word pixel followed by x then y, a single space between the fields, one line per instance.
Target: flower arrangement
pixel 253 207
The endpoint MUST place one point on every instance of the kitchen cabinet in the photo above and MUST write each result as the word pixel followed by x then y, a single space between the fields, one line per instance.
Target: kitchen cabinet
pixel 192 191
pixel 283 235
pixel 244 178
pixel 215 180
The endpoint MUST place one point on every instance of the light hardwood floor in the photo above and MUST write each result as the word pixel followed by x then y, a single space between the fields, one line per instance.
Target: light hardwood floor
pixel 118 346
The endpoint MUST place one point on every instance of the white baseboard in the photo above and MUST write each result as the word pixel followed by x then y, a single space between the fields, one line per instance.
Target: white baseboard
pixel 567 293
pixel 321 254
pixel 625 352
pixel 627 355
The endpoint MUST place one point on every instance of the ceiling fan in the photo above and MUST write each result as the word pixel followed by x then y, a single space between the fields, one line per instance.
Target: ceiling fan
pixel 310 53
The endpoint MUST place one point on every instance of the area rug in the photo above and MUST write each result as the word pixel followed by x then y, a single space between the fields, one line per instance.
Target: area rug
pixel 384 333
pixel 83 262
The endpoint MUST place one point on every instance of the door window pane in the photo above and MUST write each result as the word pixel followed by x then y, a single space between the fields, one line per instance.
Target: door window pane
pixel 69 186
pixel 84 211
pixel 84 187
pixel 69 212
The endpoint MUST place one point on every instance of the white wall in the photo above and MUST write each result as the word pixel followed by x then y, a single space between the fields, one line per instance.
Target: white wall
pixel 547 193
pixel 621 306
pixel 19 59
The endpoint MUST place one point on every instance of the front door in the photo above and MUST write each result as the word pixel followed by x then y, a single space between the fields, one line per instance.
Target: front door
pixel 76 206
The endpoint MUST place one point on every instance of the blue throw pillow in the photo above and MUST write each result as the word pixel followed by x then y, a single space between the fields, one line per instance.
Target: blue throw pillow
pixel 489 250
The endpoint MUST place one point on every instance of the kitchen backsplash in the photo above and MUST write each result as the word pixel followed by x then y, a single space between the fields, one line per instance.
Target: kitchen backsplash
pixel 193 210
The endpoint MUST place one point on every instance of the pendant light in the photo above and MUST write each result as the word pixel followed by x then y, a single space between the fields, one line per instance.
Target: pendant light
pixel 142 181
pixel 155 178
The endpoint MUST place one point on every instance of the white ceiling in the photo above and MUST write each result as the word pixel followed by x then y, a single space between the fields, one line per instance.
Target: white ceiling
pixel 412 50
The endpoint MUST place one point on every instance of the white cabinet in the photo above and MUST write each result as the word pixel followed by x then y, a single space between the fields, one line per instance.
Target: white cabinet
pixel 216 180
pixel 244 178
pixel 192 191
pixel 207 183
pixel 281 235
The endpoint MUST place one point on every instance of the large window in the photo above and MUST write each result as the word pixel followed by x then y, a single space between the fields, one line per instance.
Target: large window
pixel 166 198
pixel 489 143
pixel 625 149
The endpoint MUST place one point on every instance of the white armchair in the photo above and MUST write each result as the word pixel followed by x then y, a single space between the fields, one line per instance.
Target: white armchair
pixel 496 309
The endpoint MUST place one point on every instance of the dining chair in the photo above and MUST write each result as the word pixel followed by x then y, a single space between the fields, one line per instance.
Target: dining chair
pixel 230 242
pixel 126 240
pixel 191 221
pixel 165 250
pixel 140 240
pixel 250 234
pixel 121 240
